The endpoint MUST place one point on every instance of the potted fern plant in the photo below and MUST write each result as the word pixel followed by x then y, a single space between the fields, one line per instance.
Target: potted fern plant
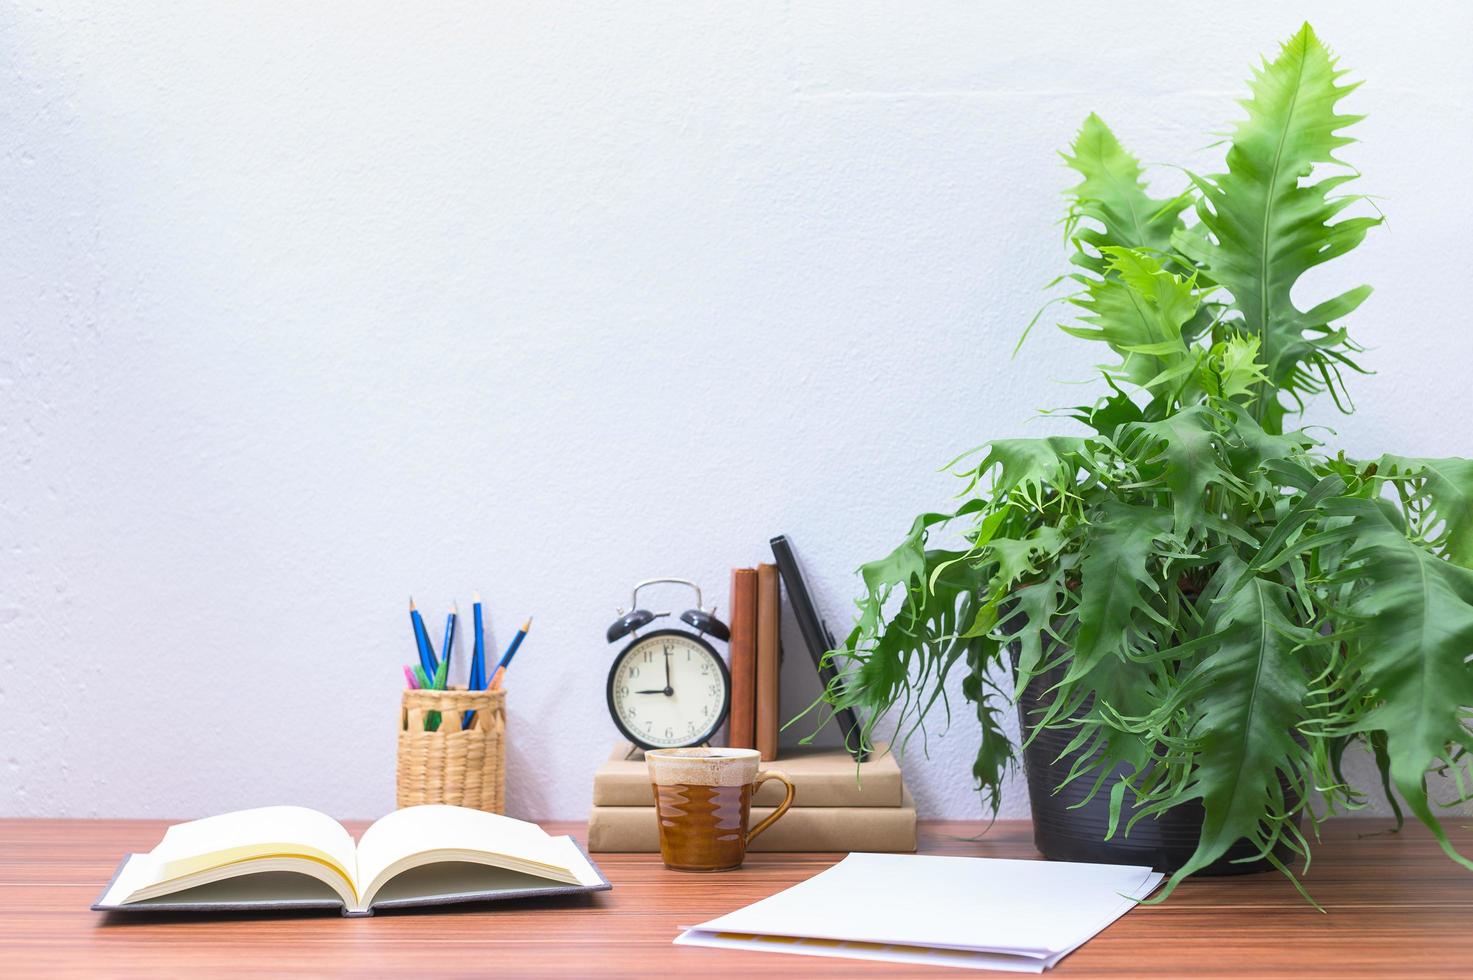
pixel 1198 606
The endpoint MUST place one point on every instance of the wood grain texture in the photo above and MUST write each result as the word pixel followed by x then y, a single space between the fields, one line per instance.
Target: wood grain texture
pixel 1396 908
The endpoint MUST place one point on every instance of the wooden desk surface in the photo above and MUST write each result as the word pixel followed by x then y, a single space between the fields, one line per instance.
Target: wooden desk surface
pixel 1396 908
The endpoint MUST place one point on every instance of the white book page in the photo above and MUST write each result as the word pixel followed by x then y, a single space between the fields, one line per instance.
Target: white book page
pixel 138 872
pixel 567 852
pixel 261 832
pixel 439 832
pixel 1042 908
pixel 259 881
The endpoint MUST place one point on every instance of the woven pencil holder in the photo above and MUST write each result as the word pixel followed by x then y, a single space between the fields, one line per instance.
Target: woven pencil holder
pixel 456 765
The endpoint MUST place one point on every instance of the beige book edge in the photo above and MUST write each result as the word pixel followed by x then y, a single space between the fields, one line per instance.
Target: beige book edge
pixel 824 776
pixel 634 829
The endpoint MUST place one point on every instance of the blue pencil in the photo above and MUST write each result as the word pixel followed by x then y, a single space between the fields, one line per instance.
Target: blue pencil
pixel 478 654
pixel 449 646
pixel 422 641
pixel 511 651
pixel 477 679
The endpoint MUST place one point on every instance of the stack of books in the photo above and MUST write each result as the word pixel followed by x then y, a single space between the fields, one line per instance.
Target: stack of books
pixel 839 806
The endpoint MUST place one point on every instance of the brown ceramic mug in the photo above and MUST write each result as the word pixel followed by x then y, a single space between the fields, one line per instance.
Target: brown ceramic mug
pixel 703 802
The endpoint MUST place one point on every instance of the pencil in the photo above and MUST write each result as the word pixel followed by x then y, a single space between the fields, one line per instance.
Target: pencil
pixel 478 654
pixel 477 679
pixel 409 677
pixel 449 646
pixel 511 651
pixel 422 640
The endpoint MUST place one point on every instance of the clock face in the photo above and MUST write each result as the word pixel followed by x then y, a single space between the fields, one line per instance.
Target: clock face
pixel 668 689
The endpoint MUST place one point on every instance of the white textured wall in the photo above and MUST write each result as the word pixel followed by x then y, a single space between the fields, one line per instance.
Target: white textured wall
pixel 307 307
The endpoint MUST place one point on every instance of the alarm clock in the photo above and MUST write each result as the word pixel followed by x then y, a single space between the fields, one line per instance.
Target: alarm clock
pixel 668 688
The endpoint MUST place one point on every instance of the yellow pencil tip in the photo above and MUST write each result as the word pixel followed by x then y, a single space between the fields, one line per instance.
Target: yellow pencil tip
pixel 527 625
pixel 476 598
pixel 411 603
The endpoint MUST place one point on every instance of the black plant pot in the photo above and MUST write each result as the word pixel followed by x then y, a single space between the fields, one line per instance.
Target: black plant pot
pixel 1063 834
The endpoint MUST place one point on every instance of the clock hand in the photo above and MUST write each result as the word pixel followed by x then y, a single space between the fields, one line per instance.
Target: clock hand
pixel 657 690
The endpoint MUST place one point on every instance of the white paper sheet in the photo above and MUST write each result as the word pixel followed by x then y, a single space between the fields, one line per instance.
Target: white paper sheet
pixel 983 913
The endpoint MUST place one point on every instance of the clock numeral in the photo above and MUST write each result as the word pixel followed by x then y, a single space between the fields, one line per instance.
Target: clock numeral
pixel 687 656
pixel 633 671
pixel 713 689
pixel 624 691
pixel 706 667
pixel 669 732
pixel 648 654
pixel 705 711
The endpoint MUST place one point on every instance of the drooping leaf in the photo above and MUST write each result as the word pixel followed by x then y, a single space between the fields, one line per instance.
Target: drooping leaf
pixel 1245 699
pixel 1267 223
pixel 904 568
pixel 1410 652
pixel 1443 492
pixel 995 754
pixel 905 663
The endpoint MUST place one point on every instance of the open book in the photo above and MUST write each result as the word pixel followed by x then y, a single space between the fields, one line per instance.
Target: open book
pixel 280 857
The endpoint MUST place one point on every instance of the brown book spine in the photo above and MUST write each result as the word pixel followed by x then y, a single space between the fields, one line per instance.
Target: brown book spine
pixel 742 732
pixel 769 636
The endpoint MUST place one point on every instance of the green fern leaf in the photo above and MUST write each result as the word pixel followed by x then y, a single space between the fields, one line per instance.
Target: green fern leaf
pixel 1442 492
pixel 1116 582
pixel 1032 466
pixel 1233 367
pixel 1139 310
pixel 1034 608
pixel 1179 455
pixel 1267 225
pixel 1410 652
pixel 1245 699
pixel 1020 558
pixel 1110 205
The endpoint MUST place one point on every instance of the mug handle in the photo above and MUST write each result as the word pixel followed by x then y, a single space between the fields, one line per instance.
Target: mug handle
pixel 763 777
